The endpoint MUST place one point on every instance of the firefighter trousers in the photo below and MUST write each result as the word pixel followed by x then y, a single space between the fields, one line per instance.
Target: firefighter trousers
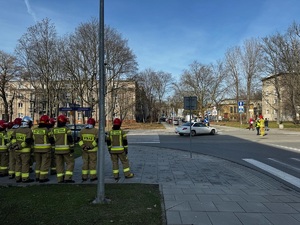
pixel 3 163
pixel 42 164
pixel 89 166
pixel 63 160
pixel 115 163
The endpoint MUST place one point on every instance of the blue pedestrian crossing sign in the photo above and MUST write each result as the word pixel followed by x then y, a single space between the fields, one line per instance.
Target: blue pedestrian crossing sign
pixel 241 107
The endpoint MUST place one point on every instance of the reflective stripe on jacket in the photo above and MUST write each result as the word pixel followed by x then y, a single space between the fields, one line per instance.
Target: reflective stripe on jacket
pixel 41 139
pixel 116 141
pixel 3 147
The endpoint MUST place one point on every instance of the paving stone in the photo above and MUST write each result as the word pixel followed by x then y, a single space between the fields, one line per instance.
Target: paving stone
pixel 203 206
pixel 253 219
pixel 254 207
pixel 198 218
pixel 280 208
pixel 281 219
pixel 223 218
pixel 228 206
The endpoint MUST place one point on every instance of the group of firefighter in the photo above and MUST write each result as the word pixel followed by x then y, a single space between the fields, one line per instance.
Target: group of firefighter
pixel 48 149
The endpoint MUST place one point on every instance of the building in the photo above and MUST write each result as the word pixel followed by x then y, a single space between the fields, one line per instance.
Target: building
pixel 279 97
pixel 126 101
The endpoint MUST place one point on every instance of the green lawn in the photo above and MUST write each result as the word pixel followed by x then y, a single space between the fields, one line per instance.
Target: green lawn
pixel 72 204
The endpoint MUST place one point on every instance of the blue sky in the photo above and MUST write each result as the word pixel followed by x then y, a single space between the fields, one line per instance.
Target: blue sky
pixel 165 35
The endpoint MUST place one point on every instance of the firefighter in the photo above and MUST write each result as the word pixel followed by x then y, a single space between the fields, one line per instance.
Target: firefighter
pixel 12 157
pixel 262 125
pixel 22 141
pixel 64 149
pixel 89 144
pixel 3 150
pixel 53 162
pixel 118 149
pixel 42 149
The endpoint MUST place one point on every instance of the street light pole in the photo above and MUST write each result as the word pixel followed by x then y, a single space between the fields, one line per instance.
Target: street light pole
pixel 100 198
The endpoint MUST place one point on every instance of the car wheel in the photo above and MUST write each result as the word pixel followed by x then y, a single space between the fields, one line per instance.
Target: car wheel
pixel 212 132
pixel 193 133
pixel 181 134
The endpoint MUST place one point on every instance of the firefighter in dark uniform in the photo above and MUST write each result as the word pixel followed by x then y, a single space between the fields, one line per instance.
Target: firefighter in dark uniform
pixel 3 150
pixel 22 141
pixel 12 155
pixel 42 149
pixel 64 148
pixel 118 149
pixel 53 162
pixel 89 144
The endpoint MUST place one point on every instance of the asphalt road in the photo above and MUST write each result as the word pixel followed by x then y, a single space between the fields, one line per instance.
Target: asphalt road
pixel 276 154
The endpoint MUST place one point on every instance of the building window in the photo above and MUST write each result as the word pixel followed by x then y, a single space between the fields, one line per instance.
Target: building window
pixel 231 109
pixel 20 105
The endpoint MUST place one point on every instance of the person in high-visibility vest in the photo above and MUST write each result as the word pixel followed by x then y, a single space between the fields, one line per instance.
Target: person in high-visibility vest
pixel 64 149
pixel 12 155
pixel 3 150
pixel 262 125
pixel 42 149
pixel 118 149
pixel 89 144
pixel 21 143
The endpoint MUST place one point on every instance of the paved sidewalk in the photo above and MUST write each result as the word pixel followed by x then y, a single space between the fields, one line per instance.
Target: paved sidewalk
pixel 206 190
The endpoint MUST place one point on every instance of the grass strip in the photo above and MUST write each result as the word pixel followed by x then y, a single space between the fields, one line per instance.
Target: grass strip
pixel 72 204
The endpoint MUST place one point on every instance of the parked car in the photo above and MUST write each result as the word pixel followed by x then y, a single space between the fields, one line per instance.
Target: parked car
pixel 196 129
pixel 76 128
pixel 176 122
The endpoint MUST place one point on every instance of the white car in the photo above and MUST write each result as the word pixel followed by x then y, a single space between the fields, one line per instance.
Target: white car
pixel 196 129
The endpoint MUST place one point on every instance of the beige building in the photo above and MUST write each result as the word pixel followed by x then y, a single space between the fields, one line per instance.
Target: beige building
pixel 274 108
pixel 23 100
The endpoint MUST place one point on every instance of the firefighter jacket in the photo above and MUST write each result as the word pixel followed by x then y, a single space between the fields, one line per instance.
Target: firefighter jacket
pixel 3 140
pixel 257 124
pixel 41 139
pixel 63 139
pixel 22 140
pixel 117 141
pixel 9 134
pixel 89 139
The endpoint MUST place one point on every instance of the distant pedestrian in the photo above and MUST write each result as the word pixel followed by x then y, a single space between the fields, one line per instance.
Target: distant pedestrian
pixel 266 124
pixel 89 144
pixel 262 125
pixel 118 149
pixel 257 126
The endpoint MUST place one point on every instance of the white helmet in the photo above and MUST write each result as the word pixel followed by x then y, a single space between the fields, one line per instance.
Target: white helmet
pixel 26 121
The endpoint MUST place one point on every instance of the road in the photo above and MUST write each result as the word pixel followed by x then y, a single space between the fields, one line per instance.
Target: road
pixel 276 154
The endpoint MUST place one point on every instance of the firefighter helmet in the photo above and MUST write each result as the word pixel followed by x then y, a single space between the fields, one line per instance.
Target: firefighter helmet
pixel 3 124
pixel 18 121
pixel 91 121
pixel 117 122
pixel 26 121
pixel 62 119
pixel 52 121
pixel 45 119
pixel 10 125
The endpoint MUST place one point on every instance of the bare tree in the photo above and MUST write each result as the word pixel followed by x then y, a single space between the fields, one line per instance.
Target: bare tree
pixel 37 52
pixel 251 68
pixel 198 81
pixel 9 71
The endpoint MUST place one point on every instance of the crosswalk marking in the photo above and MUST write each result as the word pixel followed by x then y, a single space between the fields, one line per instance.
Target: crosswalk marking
pixel 278 173
pixel 296 159
pixel 285 164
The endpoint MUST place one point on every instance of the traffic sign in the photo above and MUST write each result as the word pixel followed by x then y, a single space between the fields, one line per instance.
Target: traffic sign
pixel 190 103
pixel 241 103
pixel 65 109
